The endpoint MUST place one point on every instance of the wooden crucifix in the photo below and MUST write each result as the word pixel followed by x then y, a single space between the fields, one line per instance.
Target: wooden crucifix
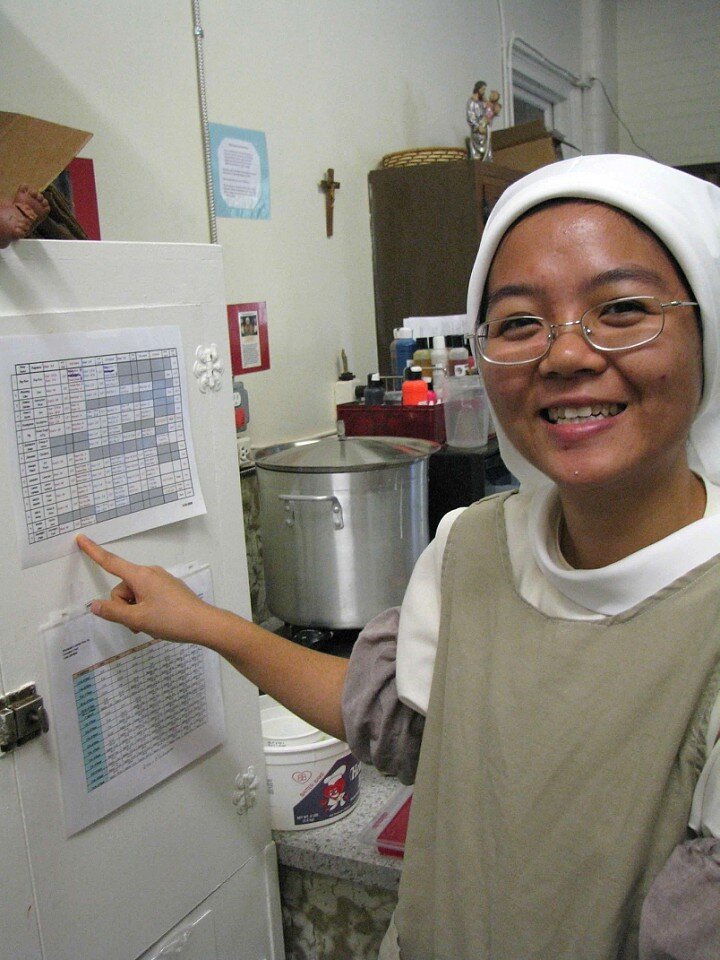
pixel 329 185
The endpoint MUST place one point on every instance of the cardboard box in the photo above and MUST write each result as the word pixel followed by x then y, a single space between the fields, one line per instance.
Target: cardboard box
pixel 34 151
pixel 526 147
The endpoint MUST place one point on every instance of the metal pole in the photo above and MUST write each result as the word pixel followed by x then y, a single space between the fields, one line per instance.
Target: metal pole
pixel 202 93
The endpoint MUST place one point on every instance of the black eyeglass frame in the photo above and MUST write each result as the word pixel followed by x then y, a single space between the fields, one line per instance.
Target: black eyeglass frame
pixel 552 329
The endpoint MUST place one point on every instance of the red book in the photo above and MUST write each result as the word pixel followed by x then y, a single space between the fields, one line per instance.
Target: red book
pixel 388 830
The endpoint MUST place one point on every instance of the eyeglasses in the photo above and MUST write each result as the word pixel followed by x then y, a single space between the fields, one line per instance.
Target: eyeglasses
pixel 609 327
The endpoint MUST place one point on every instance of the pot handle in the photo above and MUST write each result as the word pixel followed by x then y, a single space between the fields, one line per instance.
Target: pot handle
pixel 290 498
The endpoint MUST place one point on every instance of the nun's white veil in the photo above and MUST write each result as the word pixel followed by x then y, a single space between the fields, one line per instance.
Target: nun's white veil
pixel 682 210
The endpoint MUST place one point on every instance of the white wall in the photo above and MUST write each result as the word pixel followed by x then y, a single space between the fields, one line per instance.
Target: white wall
pixel 553 27
pixel 333 83
pixel 669 79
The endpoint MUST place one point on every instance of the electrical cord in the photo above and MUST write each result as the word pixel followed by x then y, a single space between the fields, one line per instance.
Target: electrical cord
pixel 566 143
pixel 619 118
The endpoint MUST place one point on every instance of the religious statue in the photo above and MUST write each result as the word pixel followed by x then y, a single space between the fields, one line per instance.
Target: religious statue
pixel 329 185
pixel 480 113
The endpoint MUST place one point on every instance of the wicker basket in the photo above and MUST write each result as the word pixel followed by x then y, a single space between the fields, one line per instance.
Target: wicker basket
pixel 412 158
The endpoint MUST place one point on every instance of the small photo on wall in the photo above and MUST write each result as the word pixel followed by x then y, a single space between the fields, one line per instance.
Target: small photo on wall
pixel 249 350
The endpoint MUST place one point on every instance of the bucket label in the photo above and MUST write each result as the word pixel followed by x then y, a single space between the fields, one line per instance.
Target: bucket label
pixel 334 793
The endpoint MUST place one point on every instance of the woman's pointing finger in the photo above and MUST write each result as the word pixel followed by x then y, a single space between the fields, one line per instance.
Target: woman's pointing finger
pixel 110 562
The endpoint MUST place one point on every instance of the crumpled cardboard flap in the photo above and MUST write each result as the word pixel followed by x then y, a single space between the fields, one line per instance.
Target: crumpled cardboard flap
pixel 34 151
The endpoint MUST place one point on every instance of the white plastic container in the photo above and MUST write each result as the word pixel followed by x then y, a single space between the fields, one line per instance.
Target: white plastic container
pixel 439 354
pixel 458 361
pixel 467 413
pixel 313 779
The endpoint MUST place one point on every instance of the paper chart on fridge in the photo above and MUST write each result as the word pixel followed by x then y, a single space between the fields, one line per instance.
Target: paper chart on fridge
pixel 97 433
pixel 127 711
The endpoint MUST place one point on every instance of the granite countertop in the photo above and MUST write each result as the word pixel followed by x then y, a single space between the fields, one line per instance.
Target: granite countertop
pixel 336 849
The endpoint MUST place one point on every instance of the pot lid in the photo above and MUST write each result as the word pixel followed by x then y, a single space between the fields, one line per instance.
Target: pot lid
pixel 347 455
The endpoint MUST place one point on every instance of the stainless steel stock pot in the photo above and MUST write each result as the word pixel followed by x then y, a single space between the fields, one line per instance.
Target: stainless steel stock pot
pixel 343 521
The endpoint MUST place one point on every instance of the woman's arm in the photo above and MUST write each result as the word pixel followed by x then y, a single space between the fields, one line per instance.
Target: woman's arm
pixel 150 600
pixel 380 728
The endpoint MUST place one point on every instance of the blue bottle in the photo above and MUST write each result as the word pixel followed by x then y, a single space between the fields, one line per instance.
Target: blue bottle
pixel 401 350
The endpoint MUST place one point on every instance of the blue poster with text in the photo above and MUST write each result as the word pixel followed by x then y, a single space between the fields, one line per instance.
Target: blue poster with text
pixel 240 172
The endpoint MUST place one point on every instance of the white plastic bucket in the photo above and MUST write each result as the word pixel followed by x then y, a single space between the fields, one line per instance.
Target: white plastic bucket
pixel 312 778
pixel 280 728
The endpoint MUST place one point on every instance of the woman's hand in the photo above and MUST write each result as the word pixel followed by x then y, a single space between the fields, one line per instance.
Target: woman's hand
pixel 151 600
pixel 147 599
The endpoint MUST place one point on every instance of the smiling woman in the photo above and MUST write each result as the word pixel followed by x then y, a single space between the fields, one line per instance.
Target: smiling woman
pixel 556 264
pixel 564 696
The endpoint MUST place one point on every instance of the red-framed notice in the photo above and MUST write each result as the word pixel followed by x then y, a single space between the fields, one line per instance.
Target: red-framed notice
pixel 249 348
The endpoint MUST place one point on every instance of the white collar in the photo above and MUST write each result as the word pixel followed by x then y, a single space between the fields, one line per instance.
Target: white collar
pixel 620 586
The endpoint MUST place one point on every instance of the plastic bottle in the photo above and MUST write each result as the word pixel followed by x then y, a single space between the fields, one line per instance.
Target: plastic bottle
pixel 422 357
pixel 374 391
pixel 439 378
pixel 401 350
pixel 458 356
pixel 439 354
pixel 241 402
pixel 414 389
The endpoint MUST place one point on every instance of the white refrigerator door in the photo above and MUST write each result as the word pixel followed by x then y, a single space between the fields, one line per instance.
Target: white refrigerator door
pixel 123 883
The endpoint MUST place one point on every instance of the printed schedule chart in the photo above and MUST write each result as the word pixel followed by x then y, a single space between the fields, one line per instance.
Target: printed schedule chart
pixel 99 436
pixel 125 714
pixel 127 711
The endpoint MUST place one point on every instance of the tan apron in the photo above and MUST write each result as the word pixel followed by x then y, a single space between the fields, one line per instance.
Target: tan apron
pixel 558 762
